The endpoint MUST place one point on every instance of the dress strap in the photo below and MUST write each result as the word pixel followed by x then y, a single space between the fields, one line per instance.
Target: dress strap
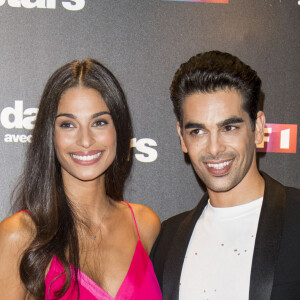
pixel 133 219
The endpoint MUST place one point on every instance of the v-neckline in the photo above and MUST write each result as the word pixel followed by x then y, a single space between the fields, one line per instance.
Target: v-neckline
pixel 93 287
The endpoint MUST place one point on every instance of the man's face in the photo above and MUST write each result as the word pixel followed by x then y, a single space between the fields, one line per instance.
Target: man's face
pixel 216 133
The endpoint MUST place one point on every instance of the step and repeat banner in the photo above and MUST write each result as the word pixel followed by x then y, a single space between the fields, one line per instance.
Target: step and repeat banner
pixel 143 42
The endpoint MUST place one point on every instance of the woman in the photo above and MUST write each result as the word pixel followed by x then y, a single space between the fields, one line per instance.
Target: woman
pixel 72 237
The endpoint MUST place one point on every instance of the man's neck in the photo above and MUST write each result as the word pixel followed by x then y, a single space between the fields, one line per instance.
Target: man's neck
pixel 249 189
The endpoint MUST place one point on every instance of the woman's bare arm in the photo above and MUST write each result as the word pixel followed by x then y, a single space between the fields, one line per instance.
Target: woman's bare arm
pixel 16 233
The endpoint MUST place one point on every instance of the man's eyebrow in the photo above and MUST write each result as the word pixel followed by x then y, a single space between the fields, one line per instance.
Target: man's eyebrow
pixel 190 125
pixel 71 116
pixel 233 120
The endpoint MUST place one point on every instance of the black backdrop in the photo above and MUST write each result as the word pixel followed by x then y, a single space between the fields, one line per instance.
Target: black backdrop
pixel 143 42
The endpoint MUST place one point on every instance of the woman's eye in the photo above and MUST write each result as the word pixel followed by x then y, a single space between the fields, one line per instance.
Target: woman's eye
pixel 100 123
pixel 66 125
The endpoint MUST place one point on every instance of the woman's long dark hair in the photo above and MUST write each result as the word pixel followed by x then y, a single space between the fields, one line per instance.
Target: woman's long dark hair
pixel 40 189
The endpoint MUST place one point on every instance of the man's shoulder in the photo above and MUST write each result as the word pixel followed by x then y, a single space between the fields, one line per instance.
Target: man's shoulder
pixel 170 227
pixel 292 199
pixel 292 192
pixel 164 242
pixel 188 217
pixel 176 219
pixel 293 203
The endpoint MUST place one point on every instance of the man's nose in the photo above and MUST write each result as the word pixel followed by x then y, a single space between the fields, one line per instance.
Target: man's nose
pixel 215 145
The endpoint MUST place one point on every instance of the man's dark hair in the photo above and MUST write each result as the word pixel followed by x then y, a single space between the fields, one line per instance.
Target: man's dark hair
pixel 212 71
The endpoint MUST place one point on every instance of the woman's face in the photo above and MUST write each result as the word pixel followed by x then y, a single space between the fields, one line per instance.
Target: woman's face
pixel 85 138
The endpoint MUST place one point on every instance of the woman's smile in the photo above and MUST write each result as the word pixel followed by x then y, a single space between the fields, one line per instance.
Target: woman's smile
pixel 88 158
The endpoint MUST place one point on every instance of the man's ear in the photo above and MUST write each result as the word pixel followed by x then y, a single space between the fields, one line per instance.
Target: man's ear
pixel 260 127
pixel 179 131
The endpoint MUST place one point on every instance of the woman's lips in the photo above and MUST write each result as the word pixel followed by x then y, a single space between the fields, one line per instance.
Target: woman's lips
pixel 86 158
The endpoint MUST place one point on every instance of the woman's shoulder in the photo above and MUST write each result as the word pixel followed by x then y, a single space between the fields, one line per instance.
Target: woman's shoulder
pixel 148 224
pixel 145 214
pixel 17 230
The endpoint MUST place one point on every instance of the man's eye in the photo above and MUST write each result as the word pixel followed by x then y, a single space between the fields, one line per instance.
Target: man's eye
pixel 230 128
pixel 197 132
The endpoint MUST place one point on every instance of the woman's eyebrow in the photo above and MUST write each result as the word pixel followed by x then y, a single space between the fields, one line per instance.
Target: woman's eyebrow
pixel 100 114
pixel 74 117
pixel 66 115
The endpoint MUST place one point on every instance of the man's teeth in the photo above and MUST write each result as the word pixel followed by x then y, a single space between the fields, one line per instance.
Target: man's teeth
pixel 86 157
pixel 220 165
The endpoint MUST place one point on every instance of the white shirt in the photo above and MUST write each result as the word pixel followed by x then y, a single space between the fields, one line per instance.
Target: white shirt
pixel 218 260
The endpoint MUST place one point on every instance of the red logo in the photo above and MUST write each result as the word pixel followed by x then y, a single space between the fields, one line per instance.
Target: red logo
pixel 279 138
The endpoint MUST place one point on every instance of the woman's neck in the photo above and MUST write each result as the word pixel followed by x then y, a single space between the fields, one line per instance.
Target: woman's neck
pixel 88 198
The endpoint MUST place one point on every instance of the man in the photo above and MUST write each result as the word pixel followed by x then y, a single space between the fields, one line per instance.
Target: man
pixel 242 241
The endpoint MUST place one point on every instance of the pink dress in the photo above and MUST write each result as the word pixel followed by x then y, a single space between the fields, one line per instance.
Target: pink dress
pixel 140 283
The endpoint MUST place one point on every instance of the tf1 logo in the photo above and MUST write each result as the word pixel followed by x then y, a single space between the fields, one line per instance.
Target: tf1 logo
pixel 279 138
